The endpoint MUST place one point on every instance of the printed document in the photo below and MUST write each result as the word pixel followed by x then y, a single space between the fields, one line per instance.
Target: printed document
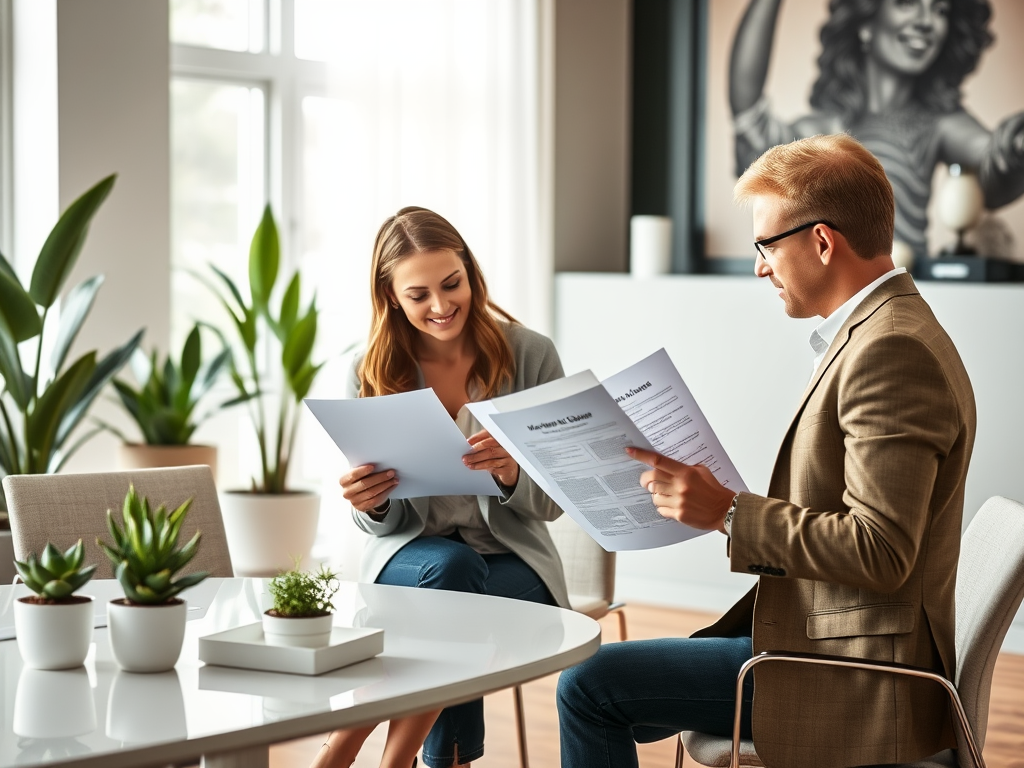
pixel 411 433
pixel 570 436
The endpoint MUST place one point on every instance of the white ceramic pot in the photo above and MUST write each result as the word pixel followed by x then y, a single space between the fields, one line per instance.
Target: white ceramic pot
pixel 268 533
pixel 309 632
pixel 54 704
pixel 53 636
pixel 146 708
pixel 146 638
pixel 141 456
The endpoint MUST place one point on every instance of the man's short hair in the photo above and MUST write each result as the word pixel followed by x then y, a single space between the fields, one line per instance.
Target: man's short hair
pixel 831 178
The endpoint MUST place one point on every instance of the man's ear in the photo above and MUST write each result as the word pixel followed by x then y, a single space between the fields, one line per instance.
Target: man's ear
pixel 825 243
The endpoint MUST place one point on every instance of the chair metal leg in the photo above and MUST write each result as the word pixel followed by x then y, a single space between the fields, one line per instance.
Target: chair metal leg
pixel 619 609
pixel 517 696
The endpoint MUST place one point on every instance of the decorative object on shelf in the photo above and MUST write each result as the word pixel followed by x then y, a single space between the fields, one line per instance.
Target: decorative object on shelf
pixel 302 612
pixel 164 406
pixel 147 626
pixel 269 526
pixel 54 627
pixel 960 204
pixel 43 400
pixel 650 246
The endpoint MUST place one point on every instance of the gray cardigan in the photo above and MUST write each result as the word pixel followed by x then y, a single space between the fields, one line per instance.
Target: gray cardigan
pixel 519 522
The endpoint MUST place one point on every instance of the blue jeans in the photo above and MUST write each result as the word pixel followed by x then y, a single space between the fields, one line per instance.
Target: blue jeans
pixel 648 690
pixel 436 562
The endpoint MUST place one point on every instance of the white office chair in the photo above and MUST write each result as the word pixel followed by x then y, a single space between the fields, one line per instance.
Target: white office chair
pixel 989 590
pixel 590 579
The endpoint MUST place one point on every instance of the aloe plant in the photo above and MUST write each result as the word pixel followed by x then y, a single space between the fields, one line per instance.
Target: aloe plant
pixel 44 400
pixel 145 553
pixel 295 333
pixel 164 406
pixel 56 576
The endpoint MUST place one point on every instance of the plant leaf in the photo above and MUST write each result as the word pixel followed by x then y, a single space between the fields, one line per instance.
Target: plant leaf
pixel 73 312
pixel 60 251
pixel 289 307
pixel 16 381
pixel 44 421
pixel 191 359
pixel 299 345
pixel 18 313
pixel 264 257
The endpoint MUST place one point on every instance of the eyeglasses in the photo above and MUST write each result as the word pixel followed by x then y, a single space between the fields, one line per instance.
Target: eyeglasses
pixel 759 244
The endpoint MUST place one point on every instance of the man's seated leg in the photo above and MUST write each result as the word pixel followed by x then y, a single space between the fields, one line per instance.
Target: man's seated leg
pixel 645 691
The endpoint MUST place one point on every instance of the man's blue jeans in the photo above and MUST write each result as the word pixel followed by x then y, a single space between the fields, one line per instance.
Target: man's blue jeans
pixel 436 562
pixel 648 690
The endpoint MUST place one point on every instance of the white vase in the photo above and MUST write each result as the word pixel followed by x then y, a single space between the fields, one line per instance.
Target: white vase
pixel 146 638
pixel 53 636
pixel 54 704
pixel 267 533
pixel 306 632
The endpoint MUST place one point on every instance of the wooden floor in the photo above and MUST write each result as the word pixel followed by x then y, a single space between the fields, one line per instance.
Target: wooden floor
pixel 1004 747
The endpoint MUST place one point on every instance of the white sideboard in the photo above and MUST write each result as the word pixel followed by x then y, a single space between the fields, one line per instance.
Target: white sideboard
pixel 746 363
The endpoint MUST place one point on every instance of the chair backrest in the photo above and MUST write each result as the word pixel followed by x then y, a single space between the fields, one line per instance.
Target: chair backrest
pixel 589 569
pixel 64 508
pixel 989 589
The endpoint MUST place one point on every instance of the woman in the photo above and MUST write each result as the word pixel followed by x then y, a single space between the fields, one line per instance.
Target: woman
pixel 434 326
pixel 889 74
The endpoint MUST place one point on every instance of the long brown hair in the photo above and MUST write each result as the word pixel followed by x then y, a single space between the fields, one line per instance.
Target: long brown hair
pixel 390 362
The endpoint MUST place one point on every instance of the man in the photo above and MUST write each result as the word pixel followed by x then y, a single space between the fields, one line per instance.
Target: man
pixel 857 540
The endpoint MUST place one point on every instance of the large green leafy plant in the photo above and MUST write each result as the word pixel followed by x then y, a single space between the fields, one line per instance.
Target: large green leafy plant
pixel 43 398
pixel 295 333
pixel 165 404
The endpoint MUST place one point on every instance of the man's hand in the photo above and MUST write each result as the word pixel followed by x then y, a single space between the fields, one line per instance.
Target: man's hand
pixel 689 494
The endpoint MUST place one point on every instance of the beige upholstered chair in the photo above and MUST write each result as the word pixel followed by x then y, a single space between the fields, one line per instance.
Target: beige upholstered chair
pixel 989 589
pixel 590 578
pixel 65 508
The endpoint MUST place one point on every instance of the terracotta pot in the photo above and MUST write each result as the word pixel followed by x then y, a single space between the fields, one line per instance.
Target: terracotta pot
pixel 53 636
pixel 268 533
pixel 139 456
pixel 146 638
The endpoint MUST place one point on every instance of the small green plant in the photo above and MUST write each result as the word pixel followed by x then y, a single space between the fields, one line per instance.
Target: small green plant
pixel 298 594
pixel 164 406
pixel 54 576
pixel 145 553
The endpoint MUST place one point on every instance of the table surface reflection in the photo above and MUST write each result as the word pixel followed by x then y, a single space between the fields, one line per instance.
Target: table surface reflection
pixel 439 648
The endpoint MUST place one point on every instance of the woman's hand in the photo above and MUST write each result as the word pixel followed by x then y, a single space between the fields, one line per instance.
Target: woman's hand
pixel 488 454
pixel 365 489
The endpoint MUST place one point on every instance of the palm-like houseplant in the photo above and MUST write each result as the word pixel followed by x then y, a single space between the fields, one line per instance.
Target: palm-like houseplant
pixel 44 400
pixel 276 424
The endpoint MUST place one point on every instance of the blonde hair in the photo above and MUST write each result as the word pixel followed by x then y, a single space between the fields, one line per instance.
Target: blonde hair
pixel 389 366
pixel 829 178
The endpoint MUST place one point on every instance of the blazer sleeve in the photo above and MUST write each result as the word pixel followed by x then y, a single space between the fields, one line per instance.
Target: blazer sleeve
pixel 899 419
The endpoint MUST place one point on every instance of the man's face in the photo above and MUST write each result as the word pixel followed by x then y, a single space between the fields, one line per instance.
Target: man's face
pixel 791 263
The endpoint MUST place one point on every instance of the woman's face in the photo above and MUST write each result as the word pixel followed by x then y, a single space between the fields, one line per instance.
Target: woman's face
pixel 907 35
pixel 433 290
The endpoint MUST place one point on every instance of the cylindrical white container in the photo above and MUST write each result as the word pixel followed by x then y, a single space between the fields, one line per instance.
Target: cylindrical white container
pixel 268 533
pixel 146 638
pixel 53 636
pixel 650 246
pixel 309 632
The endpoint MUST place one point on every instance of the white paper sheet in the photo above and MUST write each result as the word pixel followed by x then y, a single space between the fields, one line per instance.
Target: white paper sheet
pixel 411 433
pixel 573 446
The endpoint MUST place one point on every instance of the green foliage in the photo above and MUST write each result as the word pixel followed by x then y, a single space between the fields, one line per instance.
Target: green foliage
pixel 299 594
pixel 54 575
pixel 145 552
pixel 42 404
pixel 164 407
pixel 295 332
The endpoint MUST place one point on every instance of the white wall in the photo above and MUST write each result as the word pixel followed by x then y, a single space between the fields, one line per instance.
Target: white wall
pixel 747 363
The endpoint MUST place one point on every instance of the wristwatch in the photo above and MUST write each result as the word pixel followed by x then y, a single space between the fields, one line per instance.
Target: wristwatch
pixel 727 523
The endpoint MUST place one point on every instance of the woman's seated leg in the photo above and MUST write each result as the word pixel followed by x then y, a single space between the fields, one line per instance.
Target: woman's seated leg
pixel 436 562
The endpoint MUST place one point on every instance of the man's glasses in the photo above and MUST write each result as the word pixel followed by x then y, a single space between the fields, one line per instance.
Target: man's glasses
pixel 759 244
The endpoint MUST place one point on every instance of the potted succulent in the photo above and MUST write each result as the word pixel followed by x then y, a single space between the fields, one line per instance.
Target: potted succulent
pixel 54 626
pixel 302 611
pixel 44 398
pixel 165 406
pixel 270 525
pixel 147 625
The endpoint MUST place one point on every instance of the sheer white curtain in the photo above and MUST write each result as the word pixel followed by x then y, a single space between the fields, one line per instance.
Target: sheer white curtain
pixel 444 104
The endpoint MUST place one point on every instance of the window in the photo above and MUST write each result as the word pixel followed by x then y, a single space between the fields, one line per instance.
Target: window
pixel 6 146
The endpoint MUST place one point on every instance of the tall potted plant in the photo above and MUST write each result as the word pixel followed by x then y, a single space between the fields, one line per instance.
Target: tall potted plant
pixel 270 525
pixel 166 406
pixel 44 398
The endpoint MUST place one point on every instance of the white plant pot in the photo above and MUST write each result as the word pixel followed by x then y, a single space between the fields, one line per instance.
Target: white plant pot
pixel 53 636
pixel 268 533
pixel 146 708
pixel 146 638
pixel 54 704
pixel 309 632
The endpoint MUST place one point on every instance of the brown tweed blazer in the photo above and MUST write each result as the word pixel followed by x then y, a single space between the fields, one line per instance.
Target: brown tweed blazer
pixel 857 543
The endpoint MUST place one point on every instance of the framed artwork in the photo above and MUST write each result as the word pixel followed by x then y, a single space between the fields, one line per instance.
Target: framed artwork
pixel 768 77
